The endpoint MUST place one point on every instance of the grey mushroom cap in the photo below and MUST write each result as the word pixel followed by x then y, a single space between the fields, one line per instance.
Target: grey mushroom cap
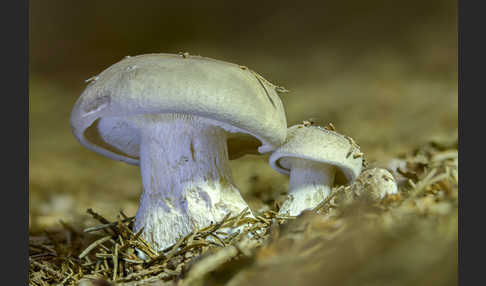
pixel 317 144
pixel 228 95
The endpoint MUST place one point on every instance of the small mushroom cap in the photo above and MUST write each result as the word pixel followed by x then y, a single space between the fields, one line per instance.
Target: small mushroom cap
pixel 225 94
pixel 320 145
pixel 376 183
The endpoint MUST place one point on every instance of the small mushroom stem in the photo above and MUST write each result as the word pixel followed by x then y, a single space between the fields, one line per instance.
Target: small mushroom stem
pixel 310 183
pixel 187 181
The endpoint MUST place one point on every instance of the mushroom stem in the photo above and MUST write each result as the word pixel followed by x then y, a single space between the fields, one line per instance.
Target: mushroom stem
pixel 187 181
pixel 310 183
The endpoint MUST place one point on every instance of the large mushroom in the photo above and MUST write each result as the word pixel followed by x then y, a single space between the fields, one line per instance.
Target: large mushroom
pixel 315 158
pixel 181 118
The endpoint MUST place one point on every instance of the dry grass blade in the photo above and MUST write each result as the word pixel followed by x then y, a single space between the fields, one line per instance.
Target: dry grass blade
pixel 115 262
pixel 326 201
pixel 47 269
pixel 109 225
pixel 94 245
pixel 101 219
pixel 240 216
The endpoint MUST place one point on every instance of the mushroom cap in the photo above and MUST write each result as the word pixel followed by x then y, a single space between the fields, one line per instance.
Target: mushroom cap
pixel 377 183
pixel 225 94
pixel 319 145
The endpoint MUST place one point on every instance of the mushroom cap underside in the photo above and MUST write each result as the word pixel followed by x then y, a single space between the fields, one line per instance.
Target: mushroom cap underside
pixel 230 96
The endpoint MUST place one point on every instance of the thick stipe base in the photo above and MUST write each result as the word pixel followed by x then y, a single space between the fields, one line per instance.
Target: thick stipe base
pixel 310 183
pixel 187 183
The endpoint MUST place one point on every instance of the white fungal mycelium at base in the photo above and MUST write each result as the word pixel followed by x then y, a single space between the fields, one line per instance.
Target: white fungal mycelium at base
pixel 309 184
pixel 186 177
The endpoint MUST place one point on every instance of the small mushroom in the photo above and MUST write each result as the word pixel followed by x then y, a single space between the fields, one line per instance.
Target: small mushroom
pixel 315 158
pixel 397 168
pixel 374 184
pixel 181 119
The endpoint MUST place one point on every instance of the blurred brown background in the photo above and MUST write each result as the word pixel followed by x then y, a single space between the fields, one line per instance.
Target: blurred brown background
pixel 384 72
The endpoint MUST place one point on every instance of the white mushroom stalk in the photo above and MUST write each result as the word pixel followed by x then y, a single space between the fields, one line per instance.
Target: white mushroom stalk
pixel 310 183
pixel 187 180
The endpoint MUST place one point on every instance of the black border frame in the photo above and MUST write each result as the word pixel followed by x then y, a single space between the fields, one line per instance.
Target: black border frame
pixel 15 126
pixel 471 62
